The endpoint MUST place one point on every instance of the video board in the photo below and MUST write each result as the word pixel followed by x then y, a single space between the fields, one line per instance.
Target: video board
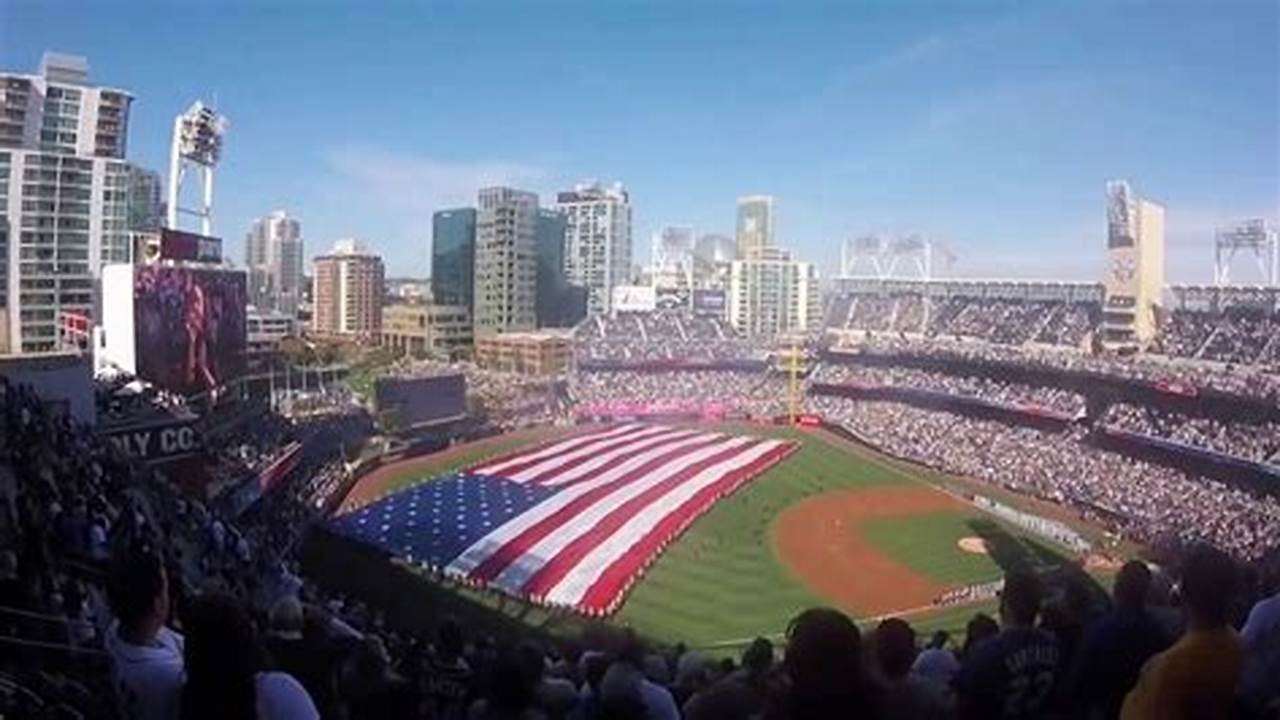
pixel 189 327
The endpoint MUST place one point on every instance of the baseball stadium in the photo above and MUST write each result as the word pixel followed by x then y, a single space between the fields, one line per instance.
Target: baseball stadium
pixel 825 520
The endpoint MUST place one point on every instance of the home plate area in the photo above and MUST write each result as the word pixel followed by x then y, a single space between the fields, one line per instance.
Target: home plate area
pixel 572 523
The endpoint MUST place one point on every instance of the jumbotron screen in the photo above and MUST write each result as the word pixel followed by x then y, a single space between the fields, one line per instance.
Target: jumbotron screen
pixel 422 400
pixel 189 326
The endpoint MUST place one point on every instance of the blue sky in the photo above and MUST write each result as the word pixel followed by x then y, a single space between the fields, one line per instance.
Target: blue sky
pixel 990 126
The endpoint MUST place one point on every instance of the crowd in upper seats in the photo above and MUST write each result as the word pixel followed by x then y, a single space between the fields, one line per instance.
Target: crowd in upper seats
pixel 1256 440
pixel 983 388
pixel 996 320
pixel 1151 504
pixel 1239 336
pixel 757 394
pixel 1251 382
pixel 660 335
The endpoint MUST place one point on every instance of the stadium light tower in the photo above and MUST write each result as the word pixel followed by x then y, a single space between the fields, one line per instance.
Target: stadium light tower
pixel 1253 237
pixel 197 144
pixel 871 256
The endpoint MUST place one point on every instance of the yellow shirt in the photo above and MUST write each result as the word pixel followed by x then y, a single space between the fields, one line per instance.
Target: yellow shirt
pixel 1193 679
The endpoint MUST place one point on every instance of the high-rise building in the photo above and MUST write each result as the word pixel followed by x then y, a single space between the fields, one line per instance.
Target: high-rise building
pixel 347 292
pixel 453 256
pixel 273 256
pixel 506 265
pixel 771 294
pixel 597 240
pixel 145 204
pixel 550 304
pixel 1135 267
pixel 755 224
pixel 64 190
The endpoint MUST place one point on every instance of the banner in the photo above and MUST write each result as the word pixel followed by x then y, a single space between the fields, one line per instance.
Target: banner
pixel 158 443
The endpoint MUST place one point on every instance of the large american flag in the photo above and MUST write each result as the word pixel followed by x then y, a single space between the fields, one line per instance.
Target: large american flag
pixel 574 522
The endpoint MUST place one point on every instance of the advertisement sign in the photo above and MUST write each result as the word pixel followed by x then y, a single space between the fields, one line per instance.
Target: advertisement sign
pixel 634 298
pixel 178 245
pixel 709 302
pixel 157 443
pixel 189 327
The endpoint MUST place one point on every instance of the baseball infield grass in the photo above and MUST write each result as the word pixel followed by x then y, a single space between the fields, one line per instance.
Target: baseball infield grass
pixel 723 583
pixel 929 544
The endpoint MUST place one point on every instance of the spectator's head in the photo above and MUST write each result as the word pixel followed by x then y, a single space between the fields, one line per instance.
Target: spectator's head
pixel 1020 599
pixel 511 684
pixel 139 595
pixel 1132 585
pixel 449 642
pixel 824 654
pixel 592 666
pixel 692 670
pixel 1208 586
pixel 286 618
pixel 758 657
pixel 222 658
pixel 895 647
pixel 980 628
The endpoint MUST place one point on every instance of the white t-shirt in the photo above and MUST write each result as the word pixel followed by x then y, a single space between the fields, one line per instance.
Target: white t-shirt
pixel 280 697
pixel 148 678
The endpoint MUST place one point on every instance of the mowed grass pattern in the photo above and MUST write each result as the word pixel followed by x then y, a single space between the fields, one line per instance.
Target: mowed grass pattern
pixel 723 580
pixel 927 544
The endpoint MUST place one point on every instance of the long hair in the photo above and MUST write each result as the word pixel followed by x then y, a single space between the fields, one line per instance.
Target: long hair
pixel 223 657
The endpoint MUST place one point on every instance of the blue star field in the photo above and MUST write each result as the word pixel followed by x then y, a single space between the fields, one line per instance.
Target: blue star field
pixel 434 522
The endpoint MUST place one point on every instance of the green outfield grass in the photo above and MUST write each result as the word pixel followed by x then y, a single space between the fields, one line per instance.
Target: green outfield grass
pixel 928 544
pixel 723 582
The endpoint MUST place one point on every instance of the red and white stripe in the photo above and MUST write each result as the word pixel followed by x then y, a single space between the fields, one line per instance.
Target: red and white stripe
pixel 626 492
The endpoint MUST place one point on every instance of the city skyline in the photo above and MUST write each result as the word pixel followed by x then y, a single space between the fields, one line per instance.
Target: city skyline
pixel 977 128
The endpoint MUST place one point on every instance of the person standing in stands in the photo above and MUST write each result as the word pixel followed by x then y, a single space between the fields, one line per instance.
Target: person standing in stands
pixel 1011 675
pixel 1115 647
pixel 447 677
pixel 824 664
pixel 1197 677
pixel 226 675
pixel 146 656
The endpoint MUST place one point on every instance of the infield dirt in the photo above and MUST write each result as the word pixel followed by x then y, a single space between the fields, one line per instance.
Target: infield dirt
pixel 819 541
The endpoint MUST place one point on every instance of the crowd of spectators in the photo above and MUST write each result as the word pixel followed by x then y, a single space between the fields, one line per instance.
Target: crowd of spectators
pixel 1258 441
pixel 1236 336
pixel 192 614
pixel 761 394
pixel 662 335
pixel 1151 504
pixel 983 388
pixel 1250 382
pixel 995 320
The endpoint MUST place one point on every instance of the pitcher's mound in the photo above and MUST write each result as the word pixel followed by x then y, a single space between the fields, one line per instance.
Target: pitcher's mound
pixel 974 545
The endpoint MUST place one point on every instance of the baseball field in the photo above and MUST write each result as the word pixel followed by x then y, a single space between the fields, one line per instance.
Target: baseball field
pixel 835 523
